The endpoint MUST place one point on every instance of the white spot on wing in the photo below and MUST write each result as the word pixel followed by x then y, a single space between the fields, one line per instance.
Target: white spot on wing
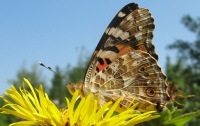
pixel 107 54
pixel 103 76
pixel 134 64
pixel 140 28
pixel 124 35
pixel 111 31
pixel 130 17
pixel 138 35
pixel 117 32
pixel 106 31
pixel 134 55
pixel 121 14
pixel 115 66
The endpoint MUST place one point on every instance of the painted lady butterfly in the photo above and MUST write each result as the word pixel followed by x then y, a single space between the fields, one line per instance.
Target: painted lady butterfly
pixel 124 63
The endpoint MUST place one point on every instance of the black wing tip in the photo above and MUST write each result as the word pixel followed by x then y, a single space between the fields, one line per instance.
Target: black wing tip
pixel 129 8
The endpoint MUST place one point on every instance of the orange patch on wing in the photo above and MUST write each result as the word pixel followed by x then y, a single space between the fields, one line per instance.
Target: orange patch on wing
pixel 142 47
pixel 100 66
pixel 124 50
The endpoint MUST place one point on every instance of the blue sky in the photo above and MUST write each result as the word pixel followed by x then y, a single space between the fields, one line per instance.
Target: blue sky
pixel 53 31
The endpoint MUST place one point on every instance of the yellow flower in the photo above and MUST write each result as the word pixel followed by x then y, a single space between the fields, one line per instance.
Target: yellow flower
pixel 35 108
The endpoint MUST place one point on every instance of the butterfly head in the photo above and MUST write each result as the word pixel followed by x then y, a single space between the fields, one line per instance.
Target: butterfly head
pixel 73 87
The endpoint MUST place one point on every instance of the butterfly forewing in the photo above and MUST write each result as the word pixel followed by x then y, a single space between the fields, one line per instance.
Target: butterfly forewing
pixel 131 29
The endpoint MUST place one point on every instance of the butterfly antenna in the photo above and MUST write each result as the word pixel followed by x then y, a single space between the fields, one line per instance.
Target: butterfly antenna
pixel 49 68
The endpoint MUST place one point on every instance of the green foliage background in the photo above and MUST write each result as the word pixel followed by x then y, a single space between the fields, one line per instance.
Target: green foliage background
pixel 186 71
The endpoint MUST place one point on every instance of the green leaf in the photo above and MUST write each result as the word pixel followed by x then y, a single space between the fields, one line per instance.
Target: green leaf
pixel 165 115
pixel 176 113
pixel 181 120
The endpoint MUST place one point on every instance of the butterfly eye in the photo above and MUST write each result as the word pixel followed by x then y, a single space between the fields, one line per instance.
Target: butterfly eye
pixel 150 92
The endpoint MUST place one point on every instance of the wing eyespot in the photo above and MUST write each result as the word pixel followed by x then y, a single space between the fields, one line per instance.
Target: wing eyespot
pixel 150 92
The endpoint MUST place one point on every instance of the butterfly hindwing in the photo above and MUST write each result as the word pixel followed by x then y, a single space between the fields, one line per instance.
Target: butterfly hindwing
pixel 136 75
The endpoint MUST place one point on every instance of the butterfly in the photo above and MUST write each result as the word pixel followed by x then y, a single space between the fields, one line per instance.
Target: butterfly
pixel 125 64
